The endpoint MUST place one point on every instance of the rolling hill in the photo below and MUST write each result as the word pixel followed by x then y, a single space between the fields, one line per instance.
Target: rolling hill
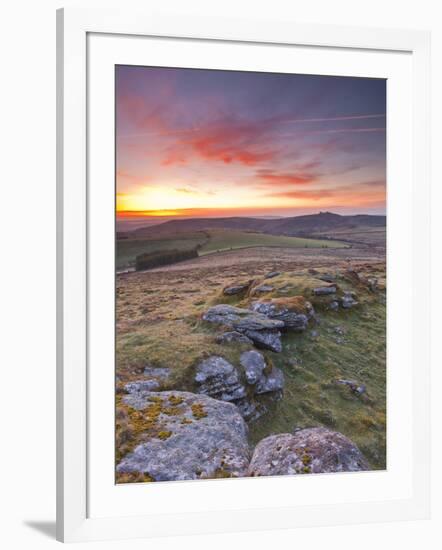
pixel 310 225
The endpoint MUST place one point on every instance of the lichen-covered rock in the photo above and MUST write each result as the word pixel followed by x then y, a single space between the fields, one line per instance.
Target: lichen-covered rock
pixel 272 382
pixel 254 364
pixel 324 290
pixel 159 373
pixel 294 312
pixel 219 379
pixel 250 410
pixel 236 288
pixel 312 450
pixel 348 301
pixel 259 375
pixel 259 328
pixel 156 378
pixel 142 385
pixel 239 318
pixel 233 337
pixel 192 437
pixel 266 339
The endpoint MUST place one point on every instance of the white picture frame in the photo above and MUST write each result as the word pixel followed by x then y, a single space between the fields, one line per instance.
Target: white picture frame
pixel 78 517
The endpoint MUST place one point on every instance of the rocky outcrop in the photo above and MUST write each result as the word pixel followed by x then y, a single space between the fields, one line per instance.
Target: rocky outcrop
pixel 142 385
pixel 312 450
pixel 190 437
pixel 272 274
pixel 258 374
pixel 266 339
pixel 262 330
pixel 254 364
pixel 261 289
pixel 326 277
pixel 324 290
pixel 272 382
pixel 242 385
pixel 294 311
pixel 348 301
pixel 236 288
pixel 233 337
pixel 219 379
pixel 156 378
pixel 239 318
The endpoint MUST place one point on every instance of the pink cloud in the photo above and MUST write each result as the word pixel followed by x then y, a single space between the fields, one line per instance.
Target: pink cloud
pixel 226 142
pixel 301 176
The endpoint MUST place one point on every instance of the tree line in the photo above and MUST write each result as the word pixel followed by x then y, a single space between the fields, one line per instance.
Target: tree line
pixel 159 258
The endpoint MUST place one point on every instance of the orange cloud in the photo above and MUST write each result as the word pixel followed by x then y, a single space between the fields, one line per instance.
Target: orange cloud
pixel 314 195
pixel 344 195
pixel 284 178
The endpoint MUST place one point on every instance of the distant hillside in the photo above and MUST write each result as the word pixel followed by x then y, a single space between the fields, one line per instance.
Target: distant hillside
pixel 322 223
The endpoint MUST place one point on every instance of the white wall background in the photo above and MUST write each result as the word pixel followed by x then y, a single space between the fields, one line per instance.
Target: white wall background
pixel 27 286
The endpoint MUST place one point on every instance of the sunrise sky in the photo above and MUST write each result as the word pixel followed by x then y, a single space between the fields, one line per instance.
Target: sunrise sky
pixel 220 143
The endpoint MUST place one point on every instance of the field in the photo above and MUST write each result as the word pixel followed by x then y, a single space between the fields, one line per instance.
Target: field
pixel 368 236
pixel 223 240
pixel 128 249
pixel 159 323
pixel 213 241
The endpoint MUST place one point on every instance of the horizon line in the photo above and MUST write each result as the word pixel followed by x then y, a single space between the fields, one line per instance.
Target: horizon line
pixel 192 213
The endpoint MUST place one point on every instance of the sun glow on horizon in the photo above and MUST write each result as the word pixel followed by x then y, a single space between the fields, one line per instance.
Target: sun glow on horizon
pixel 169 200
pixel 200 142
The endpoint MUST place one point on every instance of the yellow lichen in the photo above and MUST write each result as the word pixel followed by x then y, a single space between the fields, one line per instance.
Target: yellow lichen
pixel 172 411
pixel 164 434
pixel 175 400
pixel 306 459
pixel 198 411
pixel 133 477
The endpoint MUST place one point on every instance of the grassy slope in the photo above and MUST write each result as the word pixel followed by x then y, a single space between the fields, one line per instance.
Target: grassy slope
pixel 221 240
pixel 370 235
pixel 159 322
pixel 311 395
pixel 128 249
pixel 213 241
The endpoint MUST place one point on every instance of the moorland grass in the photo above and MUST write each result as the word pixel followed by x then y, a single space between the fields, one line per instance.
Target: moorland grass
pixel 160 325
pixel 224 240
pixel 213 241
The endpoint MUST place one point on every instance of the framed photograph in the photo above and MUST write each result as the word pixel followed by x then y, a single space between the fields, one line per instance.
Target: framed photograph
pixel 243 253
